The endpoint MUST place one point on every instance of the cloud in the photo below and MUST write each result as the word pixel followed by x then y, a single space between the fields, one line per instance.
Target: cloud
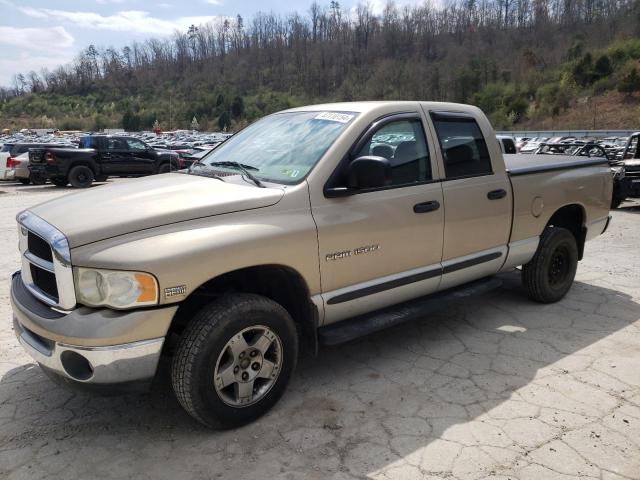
pixel 104 2
pixel 38 39
pixel 25 62
pixel 125 21
pixel 213 2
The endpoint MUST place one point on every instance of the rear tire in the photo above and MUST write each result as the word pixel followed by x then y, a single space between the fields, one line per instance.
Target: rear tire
pixel 24 181
pixel 550 273
pixel 81 176
pixel 234 360
pixel 38 179
pixel 59 181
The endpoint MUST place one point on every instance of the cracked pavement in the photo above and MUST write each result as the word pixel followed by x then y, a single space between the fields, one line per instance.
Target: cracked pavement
pixel 494 387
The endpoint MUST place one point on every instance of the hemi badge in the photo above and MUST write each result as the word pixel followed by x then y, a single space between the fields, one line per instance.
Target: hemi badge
pixel 174 291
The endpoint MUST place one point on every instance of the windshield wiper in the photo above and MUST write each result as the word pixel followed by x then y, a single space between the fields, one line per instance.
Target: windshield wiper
pixel 235 164
pixel 203 173
pixel 243 168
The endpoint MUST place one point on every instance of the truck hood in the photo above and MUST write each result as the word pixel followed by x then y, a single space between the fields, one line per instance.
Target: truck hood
pixel 109 211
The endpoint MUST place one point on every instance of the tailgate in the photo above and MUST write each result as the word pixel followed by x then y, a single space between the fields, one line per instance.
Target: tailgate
pixel 37 156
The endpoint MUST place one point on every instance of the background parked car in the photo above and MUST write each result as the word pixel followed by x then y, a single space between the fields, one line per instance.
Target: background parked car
pixel 10 151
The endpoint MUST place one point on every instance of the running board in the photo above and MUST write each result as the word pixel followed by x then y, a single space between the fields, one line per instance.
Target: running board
pixel 355 327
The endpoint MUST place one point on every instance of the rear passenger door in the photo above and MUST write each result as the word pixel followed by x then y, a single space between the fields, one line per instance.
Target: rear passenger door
pixel 477 198
pixel 115 157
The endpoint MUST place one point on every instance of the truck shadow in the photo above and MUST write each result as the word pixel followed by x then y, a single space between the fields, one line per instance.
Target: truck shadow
pixel 356 408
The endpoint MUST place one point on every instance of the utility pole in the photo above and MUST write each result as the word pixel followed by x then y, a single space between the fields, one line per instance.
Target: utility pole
pixel 171 110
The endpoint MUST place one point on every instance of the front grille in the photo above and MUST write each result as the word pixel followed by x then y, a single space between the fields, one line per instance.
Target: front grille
pixel 45 281
pixel 39 247
pixel 46 262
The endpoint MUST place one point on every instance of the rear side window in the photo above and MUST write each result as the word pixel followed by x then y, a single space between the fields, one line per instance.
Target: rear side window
pixel 464 149
pixel 86 142
pixel 6 147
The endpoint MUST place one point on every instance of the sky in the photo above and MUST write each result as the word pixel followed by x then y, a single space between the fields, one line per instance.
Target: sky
pixel 37 34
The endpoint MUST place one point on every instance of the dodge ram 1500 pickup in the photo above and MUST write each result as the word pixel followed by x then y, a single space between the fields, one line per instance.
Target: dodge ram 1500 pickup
pixel 99 157
pixel 313 225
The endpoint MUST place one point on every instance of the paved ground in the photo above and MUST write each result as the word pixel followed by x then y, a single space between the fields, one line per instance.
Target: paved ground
pixel 496 388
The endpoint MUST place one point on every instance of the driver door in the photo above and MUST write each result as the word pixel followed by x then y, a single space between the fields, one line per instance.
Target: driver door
pixel 383 246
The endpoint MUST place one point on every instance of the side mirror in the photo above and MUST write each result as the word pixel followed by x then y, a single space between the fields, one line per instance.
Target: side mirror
pixel 363 173
pixel 369 172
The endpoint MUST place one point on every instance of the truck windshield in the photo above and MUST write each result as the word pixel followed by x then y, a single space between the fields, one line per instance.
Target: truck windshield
pixel 280 148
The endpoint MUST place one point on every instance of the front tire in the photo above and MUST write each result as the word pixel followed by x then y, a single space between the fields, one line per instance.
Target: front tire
pixel 549 275
pixel 164 168
pixel 81 176
pixel 234 360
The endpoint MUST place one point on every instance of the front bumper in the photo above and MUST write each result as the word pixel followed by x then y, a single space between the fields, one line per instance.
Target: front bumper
pixel 90 346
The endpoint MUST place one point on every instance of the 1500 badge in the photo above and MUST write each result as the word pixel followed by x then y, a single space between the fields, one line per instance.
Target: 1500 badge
pixel 350 253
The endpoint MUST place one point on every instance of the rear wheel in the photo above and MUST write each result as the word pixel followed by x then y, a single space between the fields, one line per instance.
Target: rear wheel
pixel 81 176
pixel 59 181
pixel 37 179
pixel 24 181
pixel 550 273
pixel 234 360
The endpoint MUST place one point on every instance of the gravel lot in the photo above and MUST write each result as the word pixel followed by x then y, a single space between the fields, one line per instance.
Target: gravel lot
pixel 497 387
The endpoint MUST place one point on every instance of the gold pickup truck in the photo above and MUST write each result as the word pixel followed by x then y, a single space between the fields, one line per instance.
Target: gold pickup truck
pixel 313 225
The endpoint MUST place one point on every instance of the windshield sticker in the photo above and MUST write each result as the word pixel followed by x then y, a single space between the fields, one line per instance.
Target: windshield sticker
pixel 290 172
pixel 335 117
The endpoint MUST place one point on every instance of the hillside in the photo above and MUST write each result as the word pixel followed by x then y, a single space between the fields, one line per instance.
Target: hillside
pixel 528 64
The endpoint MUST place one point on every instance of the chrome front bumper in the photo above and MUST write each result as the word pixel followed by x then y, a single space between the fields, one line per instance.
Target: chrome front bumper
pixel 92 351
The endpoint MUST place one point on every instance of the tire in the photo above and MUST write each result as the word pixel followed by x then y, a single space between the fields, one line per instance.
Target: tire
pixel 59 181
pixel 101 178
pixel 37 179
pixel 549 275
pixel 81 176
pixel 615 202
pixel 164 168
pixel 24 181
pixel 205 350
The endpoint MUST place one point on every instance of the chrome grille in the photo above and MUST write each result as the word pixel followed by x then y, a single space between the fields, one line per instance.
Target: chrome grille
pixel 46 262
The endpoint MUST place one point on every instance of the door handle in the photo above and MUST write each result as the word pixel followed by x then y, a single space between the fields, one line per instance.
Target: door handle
pixel 496 194
pixel 426 206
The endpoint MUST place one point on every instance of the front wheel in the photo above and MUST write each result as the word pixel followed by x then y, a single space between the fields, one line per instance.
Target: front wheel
pixel 164 168
pixel 234 360
pixel 550 273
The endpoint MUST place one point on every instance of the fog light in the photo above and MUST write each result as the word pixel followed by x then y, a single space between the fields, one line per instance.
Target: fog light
pixel 76 366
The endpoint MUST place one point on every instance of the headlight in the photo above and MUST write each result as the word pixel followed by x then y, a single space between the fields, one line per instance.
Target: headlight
pixel 114 288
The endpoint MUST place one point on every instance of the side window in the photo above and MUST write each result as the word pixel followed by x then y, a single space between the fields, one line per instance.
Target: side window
pixel 116 144
pixel 463 147
pixel 509 146
pixel 633 148
pixel 135 145
pixel 403 143
pixel 86 142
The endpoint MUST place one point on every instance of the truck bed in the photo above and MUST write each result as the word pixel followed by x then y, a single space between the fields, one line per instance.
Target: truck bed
pixel 522 164
pixel 543 183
